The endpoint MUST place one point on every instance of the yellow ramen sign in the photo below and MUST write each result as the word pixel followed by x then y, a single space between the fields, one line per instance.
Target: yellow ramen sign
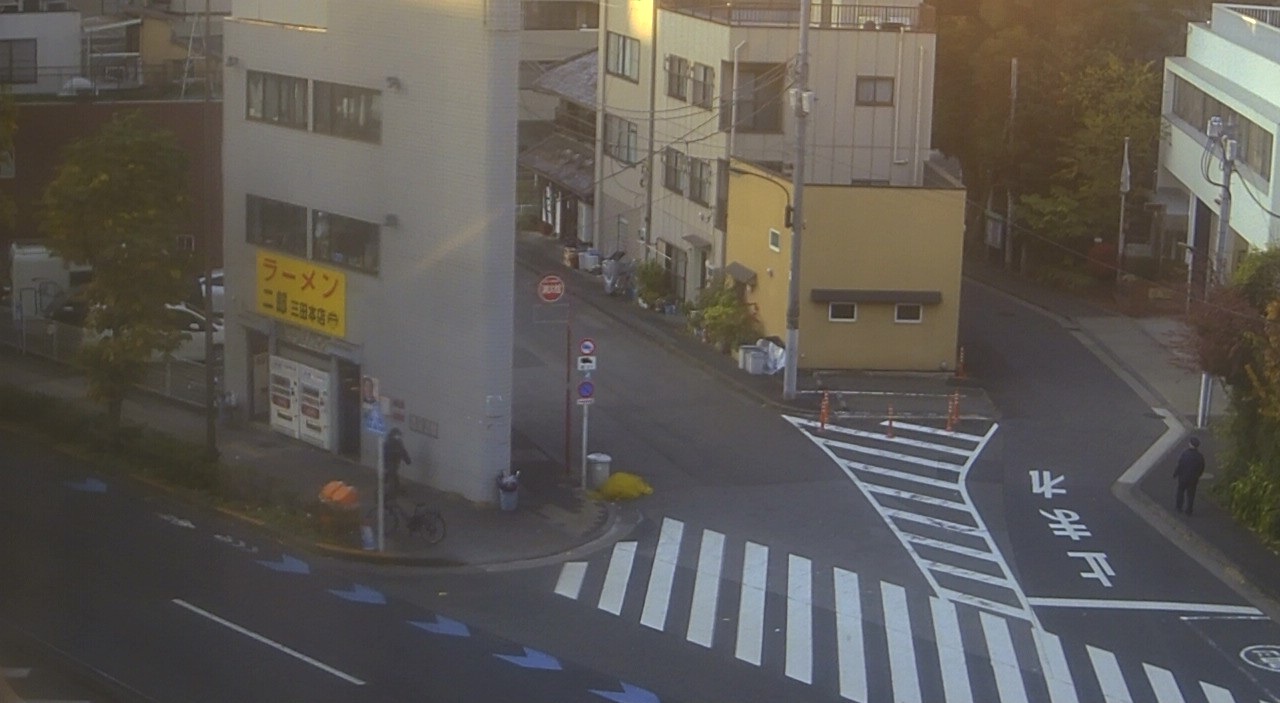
pixel 303 293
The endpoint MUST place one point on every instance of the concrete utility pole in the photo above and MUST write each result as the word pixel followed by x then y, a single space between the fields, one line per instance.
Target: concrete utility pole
pixel 210 375
pixel 651 161
pixel 1008 189
pixel 1224 134
pixel 803 103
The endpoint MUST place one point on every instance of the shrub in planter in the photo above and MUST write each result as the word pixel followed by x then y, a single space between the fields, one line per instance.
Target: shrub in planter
pixel 725 319
pixel 654 282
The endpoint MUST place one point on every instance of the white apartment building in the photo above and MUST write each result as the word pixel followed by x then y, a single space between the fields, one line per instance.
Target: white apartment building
pixel 1231 71
pixel 369 157
pixel 39 45
pixel 870 120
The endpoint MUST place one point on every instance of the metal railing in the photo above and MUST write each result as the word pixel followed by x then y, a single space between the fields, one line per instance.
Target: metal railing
pixel 823 14
pixel 1266 15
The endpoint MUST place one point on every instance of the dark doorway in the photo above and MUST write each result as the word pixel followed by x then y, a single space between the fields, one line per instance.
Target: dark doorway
pixel 348 408
pixel 259 375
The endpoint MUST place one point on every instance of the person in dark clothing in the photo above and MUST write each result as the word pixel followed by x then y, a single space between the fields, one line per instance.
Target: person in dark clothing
pixel 393 453
pixel 1190 468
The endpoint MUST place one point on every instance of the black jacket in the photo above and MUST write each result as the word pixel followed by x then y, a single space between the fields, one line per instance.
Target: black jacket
pixel 1190 465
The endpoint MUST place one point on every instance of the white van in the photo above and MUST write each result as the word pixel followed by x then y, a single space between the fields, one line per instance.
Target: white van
pixel 37 278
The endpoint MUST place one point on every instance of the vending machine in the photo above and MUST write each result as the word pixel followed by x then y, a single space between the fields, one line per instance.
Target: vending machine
pixel 284 396
pixel 313 406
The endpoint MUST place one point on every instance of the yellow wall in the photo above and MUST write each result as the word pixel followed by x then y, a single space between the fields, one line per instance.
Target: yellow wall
pixel 859 238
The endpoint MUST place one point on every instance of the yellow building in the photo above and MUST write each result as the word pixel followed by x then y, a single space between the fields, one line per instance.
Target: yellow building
pixel 880 269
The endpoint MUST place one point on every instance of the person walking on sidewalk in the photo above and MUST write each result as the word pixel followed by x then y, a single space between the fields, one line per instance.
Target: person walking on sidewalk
pixel 1190 468
pixel 393 452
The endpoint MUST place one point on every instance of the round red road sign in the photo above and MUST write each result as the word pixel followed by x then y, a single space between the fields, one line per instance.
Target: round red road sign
pixel 550 288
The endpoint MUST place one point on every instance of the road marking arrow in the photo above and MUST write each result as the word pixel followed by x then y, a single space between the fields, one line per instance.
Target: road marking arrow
pixel 443 626
pixel 532 659
pixel 629 694
pixel 89 485
pixel 361 594
pixel 177 521
pixel 287 564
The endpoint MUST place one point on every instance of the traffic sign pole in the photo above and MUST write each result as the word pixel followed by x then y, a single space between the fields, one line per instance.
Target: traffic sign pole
pixel 586 413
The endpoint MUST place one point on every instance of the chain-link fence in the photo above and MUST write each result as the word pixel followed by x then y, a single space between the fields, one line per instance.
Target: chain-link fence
pixel 179 379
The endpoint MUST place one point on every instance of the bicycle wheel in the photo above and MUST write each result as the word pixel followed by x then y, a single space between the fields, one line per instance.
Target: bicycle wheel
pixel 429 524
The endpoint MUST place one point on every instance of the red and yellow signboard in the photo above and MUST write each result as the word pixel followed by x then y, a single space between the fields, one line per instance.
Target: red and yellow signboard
pixel 302 293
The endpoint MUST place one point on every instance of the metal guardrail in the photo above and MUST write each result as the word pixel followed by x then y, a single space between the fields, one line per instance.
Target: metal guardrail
pixel 177 379
pixel 823 14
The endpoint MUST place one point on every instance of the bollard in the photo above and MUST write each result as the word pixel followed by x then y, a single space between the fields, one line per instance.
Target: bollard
pixel 889 430
pixel 960 372
pixel 824 411
pixel 953 412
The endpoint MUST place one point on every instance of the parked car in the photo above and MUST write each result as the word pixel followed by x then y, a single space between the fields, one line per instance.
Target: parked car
pixel 73 310
pixel 218 296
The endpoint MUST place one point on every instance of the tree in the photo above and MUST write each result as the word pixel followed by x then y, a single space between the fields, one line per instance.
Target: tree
pixel 117 203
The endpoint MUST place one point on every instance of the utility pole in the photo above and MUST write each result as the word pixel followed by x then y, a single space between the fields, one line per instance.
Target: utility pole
pixel 651 161
pixel 803 103
pixel 1224 134
pixel 210 375
pixel 1008 141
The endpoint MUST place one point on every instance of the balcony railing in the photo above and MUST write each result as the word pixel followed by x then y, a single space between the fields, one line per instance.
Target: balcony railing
pixel 1266 15
pixel 824 14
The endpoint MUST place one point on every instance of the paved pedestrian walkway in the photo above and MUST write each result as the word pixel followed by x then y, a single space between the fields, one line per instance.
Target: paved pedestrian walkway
pixel 554 518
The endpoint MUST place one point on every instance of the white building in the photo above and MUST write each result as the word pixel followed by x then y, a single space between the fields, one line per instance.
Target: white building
pixel 1232 71
pixel 39 45
pixel 870 120
pixel 369 158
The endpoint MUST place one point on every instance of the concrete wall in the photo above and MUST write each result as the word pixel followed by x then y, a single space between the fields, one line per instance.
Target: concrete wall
pixel 434 325
pixel 57 36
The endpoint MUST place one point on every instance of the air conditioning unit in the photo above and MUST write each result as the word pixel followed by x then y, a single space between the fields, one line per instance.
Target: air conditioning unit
pixel 788 168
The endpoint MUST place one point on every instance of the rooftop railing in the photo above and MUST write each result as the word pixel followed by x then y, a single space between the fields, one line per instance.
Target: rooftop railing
pixel 1266 15
pixel 824 14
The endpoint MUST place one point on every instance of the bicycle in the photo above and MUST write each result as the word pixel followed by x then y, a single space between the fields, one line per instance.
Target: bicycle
pixel 422 522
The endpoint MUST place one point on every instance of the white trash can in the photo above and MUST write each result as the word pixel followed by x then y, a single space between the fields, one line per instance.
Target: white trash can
pixel 598 468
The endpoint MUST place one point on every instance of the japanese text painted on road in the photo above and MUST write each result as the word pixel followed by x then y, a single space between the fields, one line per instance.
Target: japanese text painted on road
pixel 302 293
pixel 1067 523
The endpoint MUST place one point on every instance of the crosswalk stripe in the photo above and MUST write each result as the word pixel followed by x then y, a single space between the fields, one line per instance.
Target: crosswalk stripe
pixel 961 572
pixel 935 431
pixel 1215 694
pixel 983 603
pixel 1163 684
pixel 658 596
pixel 949 546
pixel 948 525
pixel 615 579
pixel 901 475
pixel 902 653
pixel 883 437
pixel 1004 662
pixel 755 569
pixel 896 456
pixel 1054 665
pixel 946 630
pixel 918 497
pixel 799 619
pixel 706 589
pixel 850 650
pixel 1110 680
pixel 570 583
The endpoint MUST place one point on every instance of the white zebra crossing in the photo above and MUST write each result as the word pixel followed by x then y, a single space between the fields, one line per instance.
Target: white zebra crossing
pixel 856 653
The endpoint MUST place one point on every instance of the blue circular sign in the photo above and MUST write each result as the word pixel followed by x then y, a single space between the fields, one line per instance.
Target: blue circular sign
pixel 586 389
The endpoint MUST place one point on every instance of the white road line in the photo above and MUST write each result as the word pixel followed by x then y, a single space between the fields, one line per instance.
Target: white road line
pixel 569 584
pixel 918 497
pixel 1215 694
pixel 658 597
pixel 902 653
pixel 15 673
pixel 1110 680
pixel 1163 684
pixel 1174 606
pixel 1004 662
pixel 1053 663
pixel 969 574
pixel 755 568
pixel 799 619
pixel 935 431
pixel 883 437
pixel 955 674
pixel 615 579
pixel 932 522
pixel 896 456
pixel 706 589
pixel 271 643
pixel 850 650
pixel 902 475
pixel 983 603
pixel 948 546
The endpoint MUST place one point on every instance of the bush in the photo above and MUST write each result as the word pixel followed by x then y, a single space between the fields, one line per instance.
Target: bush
pixel 654 282
pixel 725 319
pixel 1254 499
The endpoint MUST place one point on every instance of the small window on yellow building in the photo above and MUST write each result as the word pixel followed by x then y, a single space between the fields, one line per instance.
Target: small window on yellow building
pixel 775 240
pixel 908 312
pixel 842 312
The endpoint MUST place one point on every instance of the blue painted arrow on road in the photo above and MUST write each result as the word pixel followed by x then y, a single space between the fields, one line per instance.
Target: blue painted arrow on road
pixel 532 659
pixel 629 694
pixel 89 485
pixel 361 594
pixel 443 626
pixel 287 564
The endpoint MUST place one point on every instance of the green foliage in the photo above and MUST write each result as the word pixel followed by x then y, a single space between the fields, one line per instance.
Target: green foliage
pixel 117 203
pixel 654 281
pixel 725 318
pixel 1258 277
pixel 1254 499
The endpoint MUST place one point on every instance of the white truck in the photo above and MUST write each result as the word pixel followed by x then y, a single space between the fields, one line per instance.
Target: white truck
pixel 37 277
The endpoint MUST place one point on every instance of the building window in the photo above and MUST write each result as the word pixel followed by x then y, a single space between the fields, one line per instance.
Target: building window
pixel 622 56
pixel 760 87
pixel 276 99
pixel 676 171
pixel 842 312
pixel 677 77
pixel 345 241
pixel 548 14
pixel 17 60
pixel 703 86
pixel 622 228
pixel 700 181
pixel 1195 107
pixel 347 111
pixel 275 224
pixel 874 90
pixel 621 139
pixel 775 240
pixel 908 312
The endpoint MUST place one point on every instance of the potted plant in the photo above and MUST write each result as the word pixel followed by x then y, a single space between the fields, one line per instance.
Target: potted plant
pixel 724 318
pixel 654 282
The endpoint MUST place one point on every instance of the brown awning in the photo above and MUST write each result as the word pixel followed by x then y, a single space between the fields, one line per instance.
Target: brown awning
pixel 740 273
pixel 848 295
